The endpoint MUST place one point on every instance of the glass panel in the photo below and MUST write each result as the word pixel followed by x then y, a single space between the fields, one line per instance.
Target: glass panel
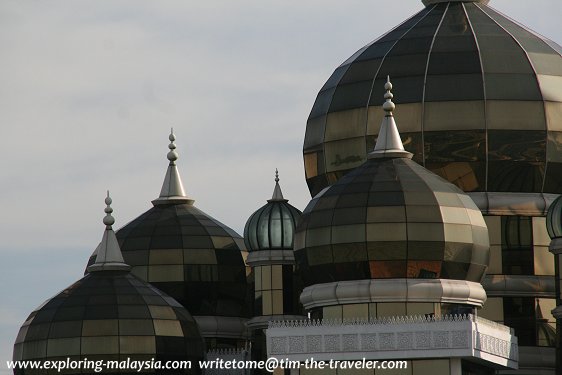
pixel 361 71
pixel 167 328
pixel 355 311
pixel 165 273
pixel 267 302
pixel 353 95
pixel 223 242
pixel 100 345
pixel 65 329
pixel 467 176
pixel 62 347
pixel 516 176
pixel 34 349
pixel 388 269
pixel 433 366
pixel 322 103
pixel 277 302
pixel 391 309
pixel 553 117
pixel 520 315
pixel 467 145
pixel 405 90
pixel 550 87
pixel 332 312
pixel 454 115
pixel 517 245
pixel 407 116
pixel 386 232
pixel 493 309
pixel 200 256
pixel 137 344
pixel 513 87
pixel 314 132
pixel 266 277
pixel 348 233
pixel 135 327
pixel 311 164
pixel 381 250
pixel 417 309
pixel 345 154
pixel 345 124
pixel 168 256
pixel 454 87
pixel 257 277
pixel 276 277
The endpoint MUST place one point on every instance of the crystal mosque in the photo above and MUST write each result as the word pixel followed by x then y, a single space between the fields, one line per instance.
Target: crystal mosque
pixel 433 236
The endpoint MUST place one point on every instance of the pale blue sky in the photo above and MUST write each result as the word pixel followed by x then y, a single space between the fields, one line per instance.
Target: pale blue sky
pixel 89 90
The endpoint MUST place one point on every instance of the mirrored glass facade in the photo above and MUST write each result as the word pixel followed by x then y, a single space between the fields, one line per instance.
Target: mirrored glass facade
pixel 391 218
pixel 110 315
pixel 479 102
pixel 189 255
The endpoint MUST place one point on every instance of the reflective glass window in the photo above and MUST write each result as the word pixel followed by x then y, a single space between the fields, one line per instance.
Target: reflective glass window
pixel 517 245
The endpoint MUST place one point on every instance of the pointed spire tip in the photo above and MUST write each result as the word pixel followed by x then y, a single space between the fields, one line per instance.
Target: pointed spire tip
pixel 389 144
pixel 172 191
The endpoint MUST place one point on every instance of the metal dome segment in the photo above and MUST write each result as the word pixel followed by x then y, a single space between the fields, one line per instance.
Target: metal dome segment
pixel 480 100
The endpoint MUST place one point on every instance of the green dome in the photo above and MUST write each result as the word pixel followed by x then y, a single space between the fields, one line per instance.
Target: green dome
pixel 479 95
pixel 272 227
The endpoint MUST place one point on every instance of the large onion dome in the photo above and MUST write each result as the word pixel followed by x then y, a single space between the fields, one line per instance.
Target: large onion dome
pixel 272 227
pixel 187 253
pixel 391 218
pixel 109 314
pixel 480 102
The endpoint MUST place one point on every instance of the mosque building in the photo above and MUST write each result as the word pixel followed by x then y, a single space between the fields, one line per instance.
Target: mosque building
pixel 426 239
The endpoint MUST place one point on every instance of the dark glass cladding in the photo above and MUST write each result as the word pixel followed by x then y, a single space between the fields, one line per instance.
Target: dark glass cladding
pixel 110 315
pixel 272 227
pixel 190 256
pixel 391 218
pixel 470 70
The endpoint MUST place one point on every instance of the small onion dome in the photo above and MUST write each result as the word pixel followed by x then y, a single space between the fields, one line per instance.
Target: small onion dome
pixel 554 219
pixel 185 252
pixel 391 218
pixel 109 314
pixel 272 227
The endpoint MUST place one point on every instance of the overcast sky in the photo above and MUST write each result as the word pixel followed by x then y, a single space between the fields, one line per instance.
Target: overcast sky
pixel 89 90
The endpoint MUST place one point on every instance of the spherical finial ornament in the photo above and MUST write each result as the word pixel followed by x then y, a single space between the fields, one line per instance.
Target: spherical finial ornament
pixel 172 155
pixel 276 175
pixel 108 220
pixel 388 105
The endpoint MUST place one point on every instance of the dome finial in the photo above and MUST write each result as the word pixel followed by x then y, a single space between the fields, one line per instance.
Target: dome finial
pixel 277 194
pixel 389 144
pixel 108 220
pixel 108 253
pixel 388 105
pixel 172 189
pixel 172 155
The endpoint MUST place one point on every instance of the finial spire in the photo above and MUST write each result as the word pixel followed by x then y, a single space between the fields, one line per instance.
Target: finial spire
pixel 389 144
pixel 277 194
pixel 108 253
pixel 172 189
